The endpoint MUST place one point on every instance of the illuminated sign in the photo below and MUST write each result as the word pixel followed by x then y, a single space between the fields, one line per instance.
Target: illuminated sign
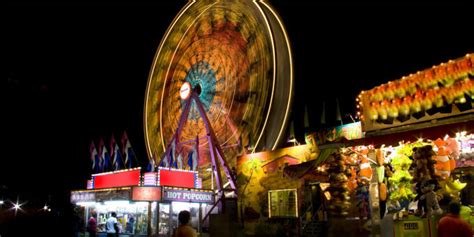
pixel 283 203
pixel 111 195
pixel 117 179
pixel 150 178
pixel 82 197
pixel 90 184
pixel 101 195
pixel 177 178
pixel 146 194
pixel 187 196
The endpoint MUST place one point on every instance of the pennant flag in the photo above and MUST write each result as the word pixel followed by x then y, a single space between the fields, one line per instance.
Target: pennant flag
pixel 151 164
pixel 117 162
pixel 323 115
pixel 104 155
pixel 112 152
pixel 118 157
pixel 128 152
pixel 94 158
pixel 172 154
pixel 192 158
pixel 165 162
pixel 180 162
pixel 173 158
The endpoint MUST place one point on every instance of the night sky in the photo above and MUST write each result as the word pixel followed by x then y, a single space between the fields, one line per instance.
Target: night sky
pixel 77 72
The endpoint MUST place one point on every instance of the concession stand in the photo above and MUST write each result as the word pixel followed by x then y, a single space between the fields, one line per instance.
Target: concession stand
pixel 146 204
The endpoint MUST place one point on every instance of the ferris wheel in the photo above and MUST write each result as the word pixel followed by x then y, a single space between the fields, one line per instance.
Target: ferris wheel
pixel 223 66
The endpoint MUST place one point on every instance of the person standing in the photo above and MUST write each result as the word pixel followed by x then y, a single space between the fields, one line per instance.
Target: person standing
pixel 184 229
pixel 130 226
pixel 92 226
pixel 452 225
pixel 111 226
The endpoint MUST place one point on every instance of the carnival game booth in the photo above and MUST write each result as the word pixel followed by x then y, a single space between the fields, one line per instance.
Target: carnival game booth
pixel 415 153
pixel 402 188
pixel 146 205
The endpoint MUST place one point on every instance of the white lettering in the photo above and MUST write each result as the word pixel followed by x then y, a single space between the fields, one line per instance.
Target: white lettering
pixel 188 196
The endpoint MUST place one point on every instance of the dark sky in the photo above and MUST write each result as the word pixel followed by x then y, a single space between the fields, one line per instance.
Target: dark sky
pixel 78 71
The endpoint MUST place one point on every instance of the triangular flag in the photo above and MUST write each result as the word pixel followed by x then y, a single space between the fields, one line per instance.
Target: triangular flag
pixel 104 155
pixel 94 158
pixel 128 152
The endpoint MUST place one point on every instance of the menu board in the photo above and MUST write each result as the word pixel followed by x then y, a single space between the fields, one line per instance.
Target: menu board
pixel 282 203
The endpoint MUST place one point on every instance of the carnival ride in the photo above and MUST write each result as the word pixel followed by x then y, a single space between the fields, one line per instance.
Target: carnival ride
pixel 221 81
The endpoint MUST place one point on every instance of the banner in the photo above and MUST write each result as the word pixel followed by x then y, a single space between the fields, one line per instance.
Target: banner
pixel 187 196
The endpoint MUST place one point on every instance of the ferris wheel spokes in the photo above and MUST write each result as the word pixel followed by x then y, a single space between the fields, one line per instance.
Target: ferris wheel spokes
pixel 215 150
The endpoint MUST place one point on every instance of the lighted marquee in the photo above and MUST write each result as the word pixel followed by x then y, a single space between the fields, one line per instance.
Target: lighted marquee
pixel 180 195
pixel 117 179
pixel 146 194
pixel 150 179
pixel 82 197
pixel 90 184
pixel 177 178
pixel 100 195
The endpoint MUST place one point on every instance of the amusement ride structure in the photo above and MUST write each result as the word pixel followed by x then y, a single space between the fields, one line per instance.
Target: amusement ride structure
pixel 221 84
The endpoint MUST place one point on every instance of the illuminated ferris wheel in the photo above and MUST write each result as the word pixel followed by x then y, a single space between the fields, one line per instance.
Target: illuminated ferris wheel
pixel 234 59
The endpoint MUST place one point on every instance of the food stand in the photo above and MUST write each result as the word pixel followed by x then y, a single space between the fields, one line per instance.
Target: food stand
pixel 146 205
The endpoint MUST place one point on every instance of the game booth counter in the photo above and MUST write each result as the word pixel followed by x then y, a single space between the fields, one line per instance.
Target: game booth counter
pixel 399 184
pixel 416 154
pixel 146 205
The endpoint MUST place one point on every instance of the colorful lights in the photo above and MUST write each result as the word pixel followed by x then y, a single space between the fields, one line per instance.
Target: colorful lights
pixel 418 97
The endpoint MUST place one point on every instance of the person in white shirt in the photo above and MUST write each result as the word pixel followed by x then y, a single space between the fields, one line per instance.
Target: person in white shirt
pixel 112 225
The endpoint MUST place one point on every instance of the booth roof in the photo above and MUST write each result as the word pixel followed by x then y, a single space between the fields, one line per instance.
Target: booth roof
pixel 413 132
pixel 299 170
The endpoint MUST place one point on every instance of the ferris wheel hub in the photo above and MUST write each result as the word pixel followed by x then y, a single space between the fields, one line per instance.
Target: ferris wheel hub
pixel 185 91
